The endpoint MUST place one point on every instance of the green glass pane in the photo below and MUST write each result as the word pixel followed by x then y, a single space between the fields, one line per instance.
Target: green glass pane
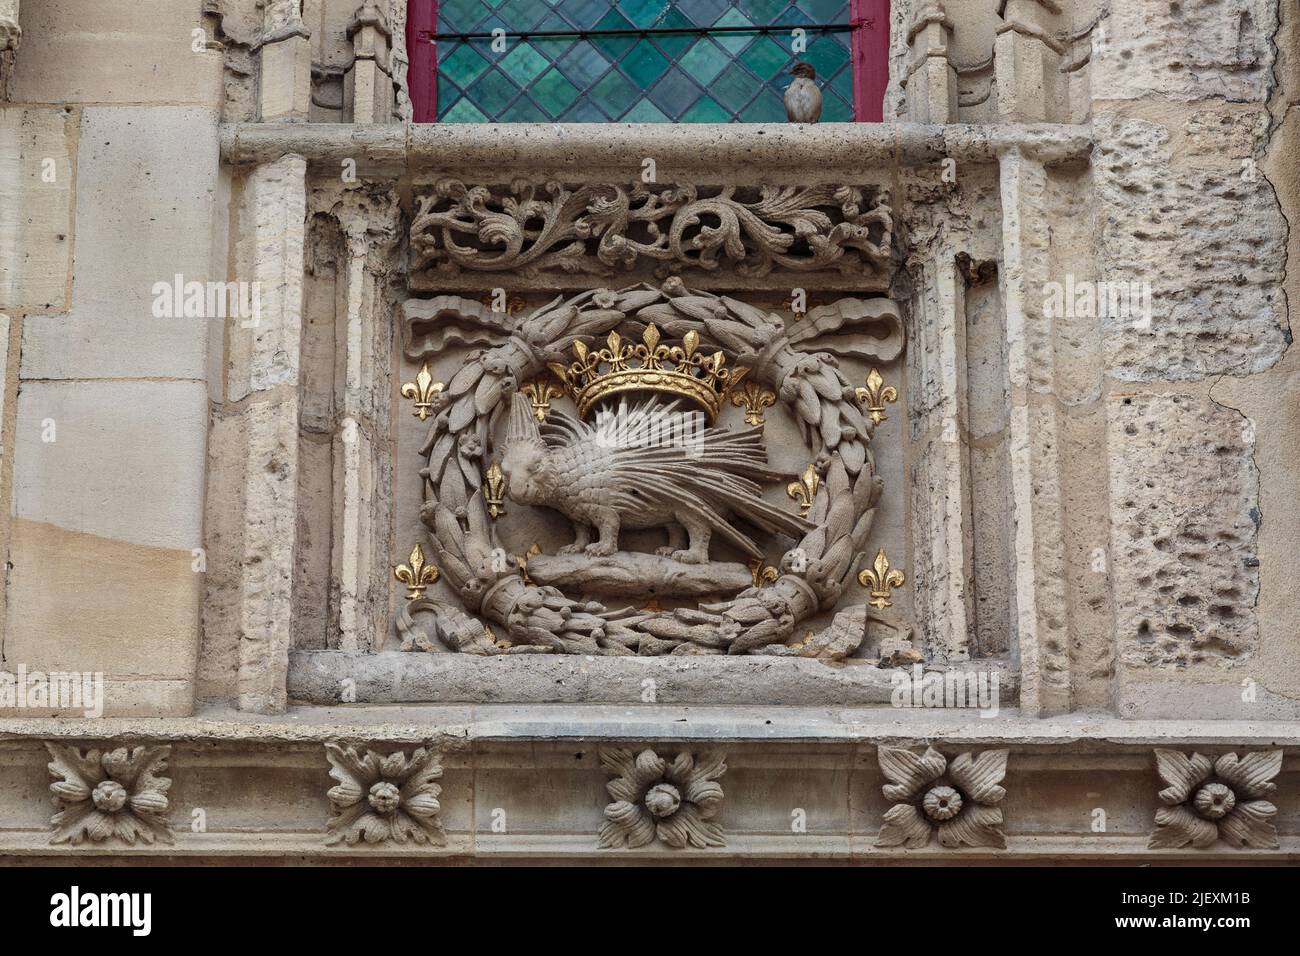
pixel 768 108
pixel 645 112
pixel 675 44
pixel 553 48
pixel 675 93
pixel 843 83
pixel 583 13
pixel 523 64
pixel 706 110
pixel 644 64
pixel 584 64
pixel 463 65
pixel 584 111
pixel 836 110
pixel 463 112
pixel 763 11
pixel 734 88
pixel 492 92
pixel 521 14
pixel 826 56
pixel 448 94
pixel 615 93
pixel 614 47
pixel 825 11
pixel 523 110
pixel 643 13
pixel 460 16
pixel 733 43
pixel 703 13
pixel 553 92
pixel 793 16
pixel 704 61
pixel 765 58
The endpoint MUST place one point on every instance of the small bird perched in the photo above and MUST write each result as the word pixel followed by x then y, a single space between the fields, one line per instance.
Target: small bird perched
pixel 803 101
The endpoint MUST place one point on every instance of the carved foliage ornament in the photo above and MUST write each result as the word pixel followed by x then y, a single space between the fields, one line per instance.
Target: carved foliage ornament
pixel 598 229
pixel 1208 800
pixel 798 365
pixel 384 798
pixel 957 800
pixel 655 798
pixel 118 793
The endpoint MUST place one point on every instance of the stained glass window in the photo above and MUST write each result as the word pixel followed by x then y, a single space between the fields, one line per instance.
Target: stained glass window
pixel 683 77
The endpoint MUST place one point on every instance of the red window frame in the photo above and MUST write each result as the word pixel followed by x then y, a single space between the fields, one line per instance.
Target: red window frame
pixel 869 46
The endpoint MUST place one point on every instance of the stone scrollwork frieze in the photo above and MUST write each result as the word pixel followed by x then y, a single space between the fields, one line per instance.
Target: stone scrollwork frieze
pixel 1207 800
pixel 532 229
pixel 956 800
pixel 673 801
pixel 643 328
pixel 103 794
pixel 381 798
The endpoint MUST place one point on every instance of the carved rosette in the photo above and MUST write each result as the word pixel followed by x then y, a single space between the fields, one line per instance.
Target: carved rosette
pixel 958 801
pixel 118 793
pixel 653 798
pixel 384 798
pixel 1208 800
pixel 598 229
pixel 798 364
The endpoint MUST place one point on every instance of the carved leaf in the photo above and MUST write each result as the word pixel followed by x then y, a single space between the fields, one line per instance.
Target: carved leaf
pixel 1250 824
pixel 904 825
pixel 1177 826
pixel 909 773
pixel 978 778
pixel 975 825
pixel 1183 774
pixel 1251 777
pixel 687 827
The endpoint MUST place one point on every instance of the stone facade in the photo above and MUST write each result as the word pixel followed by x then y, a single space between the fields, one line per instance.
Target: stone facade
pixel 992 560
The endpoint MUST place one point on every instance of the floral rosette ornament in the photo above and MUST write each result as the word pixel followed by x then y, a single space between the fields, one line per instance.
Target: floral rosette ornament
pixel 382 798
pixel 118 793
pixel 654 798
pixel 957 800
pixel 1208 800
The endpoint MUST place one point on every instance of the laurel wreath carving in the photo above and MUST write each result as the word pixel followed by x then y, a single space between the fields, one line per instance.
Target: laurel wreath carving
pixel 799 364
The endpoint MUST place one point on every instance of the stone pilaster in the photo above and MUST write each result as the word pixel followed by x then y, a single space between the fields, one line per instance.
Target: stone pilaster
pixel 932 81
pixel 368 90
pixel 285 58
pixel 1039 612
pixel 1026 61
pixel 264 378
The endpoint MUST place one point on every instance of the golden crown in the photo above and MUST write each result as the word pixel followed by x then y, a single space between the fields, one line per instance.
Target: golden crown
pixel 648 366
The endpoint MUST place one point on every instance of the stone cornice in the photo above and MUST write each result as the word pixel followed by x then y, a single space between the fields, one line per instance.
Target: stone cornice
pixel 774 153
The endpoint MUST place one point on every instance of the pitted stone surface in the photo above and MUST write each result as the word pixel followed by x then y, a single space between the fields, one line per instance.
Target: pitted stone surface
pixel 1209 239
pixel 1185 518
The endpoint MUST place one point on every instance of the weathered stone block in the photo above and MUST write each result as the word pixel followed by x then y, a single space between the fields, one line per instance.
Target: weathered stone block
pixel 36 174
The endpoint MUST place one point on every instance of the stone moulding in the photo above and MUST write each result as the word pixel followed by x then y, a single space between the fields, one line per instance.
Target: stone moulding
pixel 653 798
pixel 604 228
pixel 384 798
pixel 1207 800
pixel 119 794
pixel 956 800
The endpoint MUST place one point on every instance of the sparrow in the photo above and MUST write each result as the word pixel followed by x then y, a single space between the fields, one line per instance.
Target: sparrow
pixel 803 101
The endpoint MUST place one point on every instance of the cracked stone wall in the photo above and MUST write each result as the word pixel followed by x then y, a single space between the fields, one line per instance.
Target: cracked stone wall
pixel 1195 187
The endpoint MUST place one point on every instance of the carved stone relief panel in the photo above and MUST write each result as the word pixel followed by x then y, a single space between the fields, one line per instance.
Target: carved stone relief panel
pixel 645 471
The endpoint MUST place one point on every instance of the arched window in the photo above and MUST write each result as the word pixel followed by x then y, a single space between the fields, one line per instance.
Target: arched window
pixel 639 61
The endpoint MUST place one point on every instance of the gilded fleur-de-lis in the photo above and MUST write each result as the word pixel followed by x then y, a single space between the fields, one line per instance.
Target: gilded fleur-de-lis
pixel 763 575
pixel 754 397
pixel 875 395
pixel 532 552
pixel 804 490
pixel 495 484
pixel 417 575
pixel 424 390
pixel 540 391
pixel 882 579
